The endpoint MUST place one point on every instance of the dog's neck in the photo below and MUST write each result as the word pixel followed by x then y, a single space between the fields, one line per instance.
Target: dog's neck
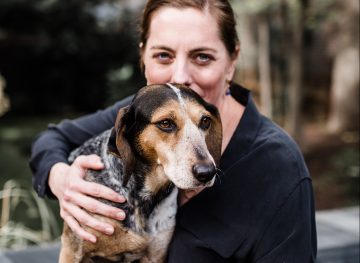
pixel 149 187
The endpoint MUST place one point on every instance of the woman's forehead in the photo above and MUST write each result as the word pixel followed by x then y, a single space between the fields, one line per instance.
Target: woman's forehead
pixel 170 24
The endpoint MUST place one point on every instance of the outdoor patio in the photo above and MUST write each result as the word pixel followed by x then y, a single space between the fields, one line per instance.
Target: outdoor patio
pixel 338 241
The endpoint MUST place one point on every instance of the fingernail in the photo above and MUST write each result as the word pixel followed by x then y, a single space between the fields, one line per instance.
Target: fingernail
pixel 92 239
pixel 121 215
pixel 109 230
pixel 121 199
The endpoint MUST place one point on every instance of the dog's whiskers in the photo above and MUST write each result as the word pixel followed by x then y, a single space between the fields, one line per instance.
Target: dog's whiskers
pixel 218 174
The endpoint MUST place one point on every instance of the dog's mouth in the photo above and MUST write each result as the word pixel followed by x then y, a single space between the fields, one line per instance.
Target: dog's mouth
pixel 206 185
pixel 198 186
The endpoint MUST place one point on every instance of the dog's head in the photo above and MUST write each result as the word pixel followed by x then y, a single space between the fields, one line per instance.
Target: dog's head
pixel 172 129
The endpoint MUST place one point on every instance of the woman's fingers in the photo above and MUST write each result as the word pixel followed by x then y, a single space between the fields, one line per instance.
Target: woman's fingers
pixel 76 197
pixel 93 189
pixel 84 162
pixel 84 218
pixel 76 228
pixel 101 191
pixel 95 206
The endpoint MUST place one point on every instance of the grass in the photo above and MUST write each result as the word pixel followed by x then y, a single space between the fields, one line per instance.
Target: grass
pixel 26 219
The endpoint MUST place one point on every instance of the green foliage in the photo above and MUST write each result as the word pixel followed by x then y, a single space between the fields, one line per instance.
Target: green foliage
pixel 322 11
pixel 121 82
pixel 55 55
pixel 248 7
pixel 340 176
pixel 347 169
pixel 317 11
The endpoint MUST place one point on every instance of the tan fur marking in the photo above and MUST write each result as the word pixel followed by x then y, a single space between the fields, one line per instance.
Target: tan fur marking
pixel 126 241
pixel 152 140
pixel 196 112
pixel 167 148
pixel 156 180
pixel 172 156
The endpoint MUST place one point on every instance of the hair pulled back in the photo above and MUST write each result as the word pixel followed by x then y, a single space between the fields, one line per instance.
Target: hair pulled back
pixel 220 9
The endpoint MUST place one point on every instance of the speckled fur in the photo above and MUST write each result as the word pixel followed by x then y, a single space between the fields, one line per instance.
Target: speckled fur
pixel 136 171
pixel 157 228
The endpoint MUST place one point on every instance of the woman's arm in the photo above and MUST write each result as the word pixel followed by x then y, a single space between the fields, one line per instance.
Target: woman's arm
pixel 54 145
pixel 291 235
pixel 54 177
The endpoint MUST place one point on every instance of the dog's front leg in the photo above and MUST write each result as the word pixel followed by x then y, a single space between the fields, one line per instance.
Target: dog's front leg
pixel 162 225
pixel 157 249
pixel 67 252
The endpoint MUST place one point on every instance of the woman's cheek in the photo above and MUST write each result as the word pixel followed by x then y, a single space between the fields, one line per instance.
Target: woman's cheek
pixel 155 75
pixel 209 77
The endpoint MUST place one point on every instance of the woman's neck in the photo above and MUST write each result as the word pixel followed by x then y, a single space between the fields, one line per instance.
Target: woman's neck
pixel 230 112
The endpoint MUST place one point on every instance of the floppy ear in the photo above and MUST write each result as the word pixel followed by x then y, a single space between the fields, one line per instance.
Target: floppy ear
pixel 214 138
pixel 119 146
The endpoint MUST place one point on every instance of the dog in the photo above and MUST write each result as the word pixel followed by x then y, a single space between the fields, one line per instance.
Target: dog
pixel 167 139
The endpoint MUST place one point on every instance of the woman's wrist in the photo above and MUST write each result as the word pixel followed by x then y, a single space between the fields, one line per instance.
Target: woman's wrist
pixel 58 169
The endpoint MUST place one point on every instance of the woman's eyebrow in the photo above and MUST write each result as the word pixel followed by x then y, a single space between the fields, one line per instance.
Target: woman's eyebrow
pixel 195 50
pixel 203 49
pixel 162 48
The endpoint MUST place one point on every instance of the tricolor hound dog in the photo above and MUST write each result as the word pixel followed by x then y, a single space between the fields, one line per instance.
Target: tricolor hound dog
pixel 167 139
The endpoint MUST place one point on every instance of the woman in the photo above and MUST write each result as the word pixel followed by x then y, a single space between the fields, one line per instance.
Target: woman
pixel 260 210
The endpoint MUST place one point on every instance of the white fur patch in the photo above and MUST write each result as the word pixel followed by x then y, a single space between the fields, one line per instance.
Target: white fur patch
pixel 178 94
pixel 192 139
pixel 163 216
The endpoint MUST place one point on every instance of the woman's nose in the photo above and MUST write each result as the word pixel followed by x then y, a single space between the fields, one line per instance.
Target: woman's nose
pixel 181 74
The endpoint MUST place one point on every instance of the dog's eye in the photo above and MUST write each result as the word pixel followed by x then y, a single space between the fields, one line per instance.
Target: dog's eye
pixel 166 125
pixel 205 123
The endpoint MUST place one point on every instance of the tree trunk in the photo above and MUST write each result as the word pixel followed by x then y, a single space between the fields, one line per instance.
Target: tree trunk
pixel 264 67
pixel 344 107
pixel 247 64
pixel 294 119
pixel 344 94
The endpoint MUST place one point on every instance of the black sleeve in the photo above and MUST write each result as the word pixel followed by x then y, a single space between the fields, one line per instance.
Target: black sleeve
pixel 55 144
pixel 291 234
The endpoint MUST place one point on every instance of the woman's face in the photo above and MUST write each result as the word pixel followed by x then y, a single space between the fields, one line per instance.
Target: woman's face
pixel 184 46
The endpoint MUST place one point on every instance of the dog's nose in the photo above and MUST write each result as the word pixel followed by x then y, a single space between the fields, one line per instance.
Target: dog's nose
pixel 204 172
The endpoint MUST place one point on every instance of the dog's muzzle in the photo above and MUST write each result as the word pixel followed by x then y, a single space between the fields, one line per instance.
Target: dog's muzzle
pixel 204 172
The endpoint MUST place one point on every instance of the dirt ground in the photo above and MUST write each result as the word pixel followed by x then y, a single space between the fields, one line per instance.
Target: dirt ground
pixel 333 162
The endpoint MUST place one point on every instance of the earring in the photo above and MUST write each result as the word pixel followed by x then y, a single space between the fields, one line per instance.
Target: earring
pixel 228 91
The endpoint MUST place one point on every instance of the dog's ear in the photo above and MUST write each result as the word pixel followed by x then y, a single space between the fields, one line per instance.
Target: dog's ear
pixel 119 146
pixel 214 137
pixel 112 143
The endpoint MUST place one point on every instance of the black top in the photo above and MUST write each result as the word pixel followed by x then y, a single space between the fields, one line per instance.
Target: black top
pixel 260 209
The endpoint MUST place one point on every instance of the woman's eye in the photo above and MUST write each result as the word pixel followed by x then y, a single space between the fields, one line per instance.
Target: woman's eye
pixel 163 57
pixel 205 123
pixel 166 125
pixel 203 59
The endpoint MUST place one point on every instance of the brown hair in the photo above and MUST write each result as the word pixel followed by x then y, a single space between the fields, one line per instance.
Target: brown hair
pixel 221 9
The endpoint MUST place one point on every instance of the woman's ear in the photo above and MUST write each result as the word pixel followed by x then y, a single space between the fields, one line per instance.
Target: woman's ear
pixel 233 60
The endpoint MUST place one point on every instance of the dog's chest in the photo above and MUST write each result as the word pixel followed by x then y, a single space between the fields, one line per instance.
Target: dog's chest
pixel 163 216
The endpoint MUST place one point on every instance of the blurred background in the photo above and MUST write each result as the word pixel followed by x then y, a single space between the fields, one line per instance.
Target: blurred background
pixel 63 59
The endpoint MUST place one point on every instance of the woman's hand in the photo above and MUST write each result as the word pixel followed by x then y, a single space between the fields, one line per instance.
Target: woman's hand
pixel 75 196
